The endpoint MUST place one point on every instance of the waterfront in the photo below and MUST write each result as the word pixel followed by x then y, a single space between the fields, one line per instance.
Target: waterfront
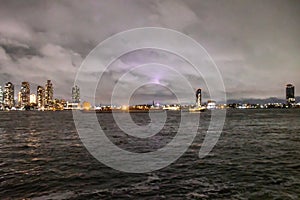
pixel 257 157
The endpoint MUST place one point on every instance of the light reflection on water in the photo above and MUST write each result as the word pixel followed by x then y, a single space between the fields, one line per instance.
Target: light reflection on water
pixel 256 157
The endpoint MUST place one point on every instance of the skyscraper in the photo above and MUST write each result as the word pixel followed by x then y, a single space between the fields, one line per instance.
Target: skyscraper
pixel 198 97
pixel 32 99
pixel 75 94
pixel 19 98
pixel 290 94
pixel 48 93
pixel 25 94
pixel 1 96
pixel 40 97
pixel 9 93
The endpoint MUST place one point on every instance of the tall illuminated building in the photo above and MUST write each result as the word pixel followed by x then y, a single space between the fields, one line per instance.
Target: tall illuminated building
pixel 1 96
pixel 198 97
pixel 25 94
pixel 75 94
pixel 8 95
pixel 48 93
pixel 19 98
pixel 290 94
pixel 32 99
pixel 40 98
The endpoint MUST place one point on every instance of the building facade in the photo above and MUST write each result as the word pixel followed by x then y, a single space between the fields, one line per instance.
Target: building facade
pixel 290 94
pixel 211 105
pixel 32 99
pixel 48 94
pixel 19 98
pixel 8 95
pixel 40 98
pixel 198 97
pixel 25 94
pixel 1 96
pixel 75 94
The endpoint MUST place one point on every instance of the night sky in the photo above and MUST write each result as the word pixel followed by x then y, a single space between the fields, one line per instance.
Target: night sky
pixel 255 44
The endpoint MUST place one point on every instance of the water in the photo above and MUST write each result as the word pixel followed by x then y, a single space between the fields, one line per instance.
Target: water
pixel 257 157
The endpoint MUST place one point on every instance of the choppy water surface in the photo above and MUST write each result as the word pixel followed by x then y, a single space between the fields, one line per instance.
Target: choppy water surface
pixel 257 157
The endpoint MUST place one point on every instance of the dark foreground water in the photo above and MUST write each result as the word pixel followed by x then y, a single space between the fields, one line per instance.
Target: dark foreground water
pixel 257 157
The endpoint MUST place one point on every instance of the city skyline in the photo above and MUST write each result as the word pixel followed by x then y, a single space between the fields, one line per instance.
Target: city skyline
pixel 149 99
pixel 253 45
pixel 26 98
pixel 44 96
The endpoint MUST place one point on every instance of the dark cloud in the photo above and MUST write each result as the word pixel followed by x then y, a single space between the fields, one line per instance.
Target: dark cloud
pixel 255 44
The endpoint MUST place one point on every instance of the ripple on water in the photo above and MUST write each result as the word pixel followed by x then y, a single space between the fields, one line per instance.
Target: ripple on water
pixel 256 157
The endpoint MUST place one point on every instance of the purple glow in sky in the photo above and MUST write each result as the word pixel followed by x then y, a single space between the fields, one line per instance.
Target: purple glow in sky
pixel 254 43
